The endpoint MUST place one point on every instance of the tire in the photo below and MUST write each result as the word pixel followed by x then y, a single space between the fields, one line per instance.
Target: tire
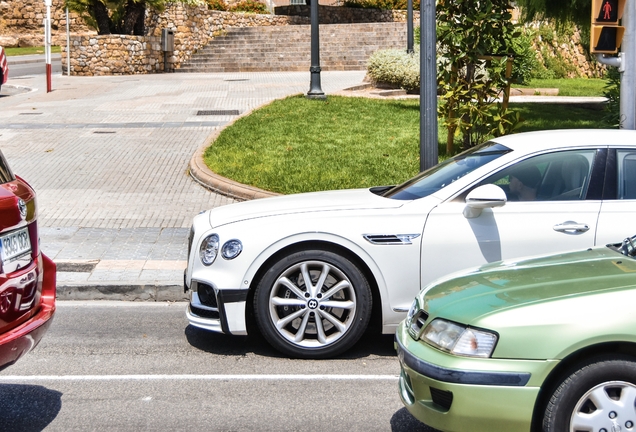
pixel 599 395
pixel 286 308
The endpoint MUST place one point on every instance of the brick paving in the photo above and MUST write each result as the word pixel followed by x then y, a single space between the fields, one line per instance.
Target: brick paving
pixel 108 157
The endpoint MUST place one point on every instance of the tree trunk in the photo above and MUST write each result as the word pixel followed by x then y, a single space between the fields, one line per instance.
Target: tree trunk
pixel 134 18
pixel 98 10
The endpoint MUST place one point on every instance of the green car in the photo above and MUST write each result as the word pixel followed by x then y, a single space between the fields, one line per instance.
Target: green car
pixel 541 344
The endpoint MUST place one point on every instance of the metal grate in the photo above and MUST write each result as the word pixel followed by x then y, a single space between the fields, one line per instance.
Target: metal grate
pixel 217 112
pixel 443 398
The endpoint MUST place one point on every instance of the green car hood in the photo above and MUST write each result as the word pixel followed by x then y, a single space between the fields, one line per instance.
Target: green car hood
pixel 506 285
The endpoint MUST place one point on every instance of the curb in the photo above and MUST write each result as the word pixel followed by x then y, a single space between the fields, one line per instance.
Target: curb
pixel 121 291
pixel 200 172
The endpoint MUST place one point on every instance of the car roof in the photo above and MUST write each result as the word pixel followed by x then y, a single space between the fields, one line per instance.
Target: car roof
pixel 545 140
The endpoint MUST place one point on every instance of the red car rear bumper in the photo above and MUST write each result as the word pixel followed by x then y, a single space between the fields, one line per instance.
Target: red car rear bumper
pixel 20 340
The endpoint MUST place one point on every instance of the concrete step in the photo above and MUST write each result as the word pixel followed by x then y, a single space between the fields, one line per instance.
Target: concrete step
pixel 342 47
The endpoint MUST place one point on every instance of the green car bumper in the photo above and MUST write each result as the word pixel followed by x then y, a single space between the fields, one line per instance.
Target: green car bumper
pixel 453 393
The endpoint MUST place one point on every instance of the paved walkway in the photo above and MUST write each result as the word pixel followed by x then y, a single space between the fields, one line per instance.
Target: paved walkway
pixel 108 157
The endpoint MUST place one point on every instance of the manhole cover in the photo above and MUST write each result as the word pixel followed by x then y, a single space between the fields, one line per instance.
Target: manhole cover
pixel 217 112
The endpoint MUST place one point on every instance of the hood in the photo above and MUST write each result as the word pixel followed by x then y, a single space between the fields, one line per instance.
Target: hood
pixel 350 199
pixel 513 284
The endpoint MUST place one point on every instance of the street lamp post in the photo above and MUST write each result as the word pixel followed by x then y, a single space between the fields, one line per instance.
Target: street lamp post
pixel 409 27
pixel 315 90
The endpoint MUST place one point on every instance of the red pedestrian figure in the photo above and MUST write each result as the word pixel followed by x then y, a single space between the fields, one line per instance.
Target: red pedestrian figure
pixel 607 8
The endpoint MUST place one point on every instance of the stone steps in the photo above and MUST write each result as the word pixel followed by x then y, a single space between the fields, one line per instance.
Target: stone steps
pixel 288 48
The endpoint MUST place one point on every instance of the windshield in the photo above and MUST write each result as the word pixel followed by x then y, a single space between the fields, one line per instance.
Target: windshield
pixel 439 176
pixel 6 175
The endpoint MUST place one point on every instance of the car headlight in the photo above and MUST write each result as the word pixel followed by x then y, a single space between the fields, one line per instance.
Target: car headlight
pixel 458 339
pixel 231 249
pixel 209 249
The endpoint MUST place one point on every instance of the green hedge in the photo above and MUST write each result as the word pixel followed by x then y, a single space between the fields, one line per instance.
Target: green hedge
pixel 396 68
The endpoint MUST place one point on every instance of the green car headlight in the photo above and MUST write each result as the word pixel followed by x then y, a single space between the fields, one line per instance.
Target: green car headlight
pixel 458 339
pixel 209 249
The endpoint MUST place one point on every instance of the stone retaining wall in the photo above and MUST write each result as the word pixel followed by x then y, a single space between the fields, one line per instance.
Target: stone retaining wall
pixel 115 55
pixel 21 23
pixel 343 15
pixel 193 28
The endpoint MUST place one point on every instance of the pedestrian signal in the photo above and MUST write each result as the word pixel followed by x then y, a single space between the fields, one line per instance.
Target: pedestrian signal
pixel 605 34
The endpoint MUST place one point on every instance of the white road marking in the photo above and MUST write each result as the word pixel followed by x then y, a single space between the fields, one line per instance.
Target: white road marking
pixel 274 377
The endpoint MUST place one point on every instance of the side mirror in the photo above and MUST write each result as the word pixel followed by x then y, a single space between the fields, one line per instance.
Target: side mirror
pixel 486 196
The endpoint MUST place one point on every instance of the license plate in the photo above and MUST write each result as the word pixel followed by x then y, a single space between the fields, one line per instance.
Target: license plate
pixel 15 244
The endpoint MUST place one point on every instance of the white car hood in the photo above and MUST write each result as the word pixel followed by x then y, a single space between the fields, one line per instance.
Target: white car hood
pixel 349 199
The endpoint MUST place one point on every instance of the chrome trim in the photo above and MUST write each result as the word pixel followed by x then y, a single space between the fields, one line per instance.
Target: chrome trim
pixel 23 208
pixel 455 376
pixel 390 239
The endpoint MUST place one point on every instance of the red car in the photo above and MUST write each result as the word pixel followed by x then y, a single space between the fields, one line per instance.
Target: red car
pixel 4 68
pixel 27 277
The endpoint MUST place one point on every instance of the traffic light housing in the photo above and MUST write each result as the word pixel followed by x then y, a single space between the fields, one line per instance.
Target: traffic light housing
pixel 605 34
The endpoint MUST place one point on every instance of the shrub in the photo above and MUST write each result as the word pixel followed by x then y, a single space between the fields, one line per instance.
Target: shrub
pixel 525 61
pixel 216 5
pixel 381 4
pixel 612 92
pixel 396 68
pixel 250 6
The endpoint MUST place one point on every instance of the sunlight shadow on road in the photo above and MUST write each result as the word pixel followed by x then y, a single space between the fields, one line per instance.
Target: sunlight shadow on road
pixel 403 421
pixel 28 407
pixel 216 343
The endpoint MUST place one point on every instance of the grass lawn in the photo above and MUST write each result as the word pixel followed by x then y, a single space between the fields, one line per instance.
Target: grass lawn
pixel 30 50
pixel 300 145
pixel 570 86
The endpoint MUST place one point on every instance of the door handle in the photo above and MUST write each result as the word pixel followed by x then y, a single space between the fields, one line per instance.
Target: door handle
pixel 571 227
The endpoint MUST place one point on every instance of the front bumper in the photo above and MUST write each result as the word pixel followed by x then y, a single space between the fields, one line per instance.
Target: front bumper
pixel 221 311
pixel 20 340
pixel 454 393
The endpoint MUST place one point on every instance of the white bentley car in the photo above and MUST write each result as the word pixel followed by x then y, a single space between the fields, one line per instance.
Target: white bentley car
pixel 311 270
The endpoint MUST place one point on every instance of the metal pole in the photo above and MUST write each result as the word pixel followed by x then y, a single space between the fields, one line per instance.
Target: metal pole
pixel 47 44
pixel 628 68
pixel 68 45
pixel 409 26
pixel 428 86
pixel 315 90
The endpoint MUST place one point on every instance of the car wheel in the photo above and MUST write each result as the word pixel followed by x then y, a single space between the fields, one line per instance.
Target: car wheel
pixel 313 304
pixel 599 396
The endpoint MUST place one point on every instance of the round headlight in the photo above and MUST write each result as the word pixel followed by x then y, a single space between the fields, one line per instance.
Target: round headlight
pixel 231 249
pixel 209 249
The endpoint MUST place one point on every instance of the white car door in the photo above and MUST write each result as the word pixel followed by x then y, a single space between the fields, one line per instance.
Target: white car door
pixel 547 211
pixel 617 220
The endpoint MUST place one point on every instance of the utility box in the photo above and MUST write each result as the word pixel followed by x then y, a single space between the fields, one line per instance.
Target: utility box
pixel 167 40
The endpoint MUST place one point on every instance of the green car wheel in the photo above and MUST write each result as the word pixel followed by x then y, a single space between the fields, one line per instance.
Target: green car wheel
pixel 599 396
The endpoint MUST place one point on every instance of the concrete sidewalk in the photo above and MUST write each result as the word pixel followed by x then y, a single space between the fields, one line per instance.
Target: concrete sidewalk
pixel 109 158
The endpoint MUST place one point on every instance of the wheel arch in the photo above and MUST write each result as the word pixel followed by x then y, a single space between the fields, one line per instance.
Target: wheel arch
pixel 568 365
pixel 376 309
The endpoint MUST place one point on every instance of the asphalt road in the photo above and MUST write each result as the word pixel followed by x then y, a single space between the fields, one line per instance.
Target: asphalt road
pixel 20 66
pixel 140 366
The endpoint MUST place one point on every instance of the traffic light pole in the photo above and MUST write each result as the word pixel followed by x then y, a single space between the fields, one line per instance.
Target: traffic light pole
pixel 628 68
pixel 626 64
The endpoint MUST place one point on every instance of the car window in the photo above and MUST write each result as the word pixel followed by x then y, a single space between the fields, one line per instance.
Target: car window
pixel 439 176
pixel 626 174
pixel 555 176
pixel 6 175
